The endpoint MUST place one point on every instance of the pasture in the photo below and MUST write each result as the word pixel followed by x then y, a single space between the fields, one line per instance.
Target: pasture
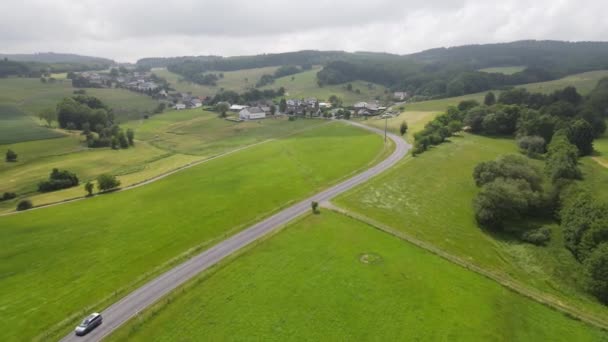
pixel 430 197
pixel 304 85
pixel 31 96
pixel 414 119
pixel 60 262
pixel 510 70
pixel 16 126
pixel 239 81
pixel 328 277
pixel 202 133
pixel 584 83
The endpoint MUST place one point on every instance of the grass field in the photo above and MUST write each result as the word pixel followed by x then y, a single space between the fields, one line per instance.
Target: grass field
pixel 309 283
pixel 430 198
pixel 584 83
pixel 601 147
pixel 57 262
pixel 202 133
pixel 239 81
pixel 510 70
pixel 415 121
pixel 31 96
pixel 305 85
pixel 16 126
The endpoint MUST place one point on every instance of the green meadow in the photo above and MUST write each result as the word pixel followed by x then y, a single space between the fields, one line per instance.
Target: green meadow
pixel 16 126
pixel 239 80
pixel 415 121
pixel 430 197
pixel 510 70
pixel 584 83
pixel 59 263
pixel 304 85
pixel 328 277
pixel 202 133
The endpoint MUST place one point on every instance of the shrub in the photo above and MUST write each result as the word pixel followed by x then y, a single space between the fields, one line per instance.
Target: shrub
pixel 106 182
pixel 539 237
pixel 11 156
pixel 58 180
pixel 596 268
pixel 8 196
pixel 24 205
pixel 531 145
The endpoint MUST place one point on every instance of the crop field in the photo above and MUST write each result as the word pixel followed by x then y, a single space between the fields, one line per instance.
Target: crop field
pixel 584 83
pixel 414 119
pixel 16 126
pixel 510 70
pixel 305 85
pixel 31 96
pixel 54 258
pixel 430 197
pixel 328 277
pixel 202 133
pixel 238 81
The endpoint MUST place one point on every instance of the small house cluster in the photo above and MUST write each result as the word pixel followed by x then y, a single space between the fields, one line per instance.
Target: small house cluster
pixel 181 101
pixel 143 82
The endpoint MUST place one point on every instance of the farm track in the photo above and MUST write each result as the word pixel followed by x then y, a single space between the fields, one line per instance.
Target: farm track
pixel 504 280
pixel 120 312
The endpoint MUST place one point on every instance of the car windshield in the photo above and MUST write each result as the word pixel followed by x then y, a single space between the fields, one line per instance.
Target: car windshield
pixel 87 320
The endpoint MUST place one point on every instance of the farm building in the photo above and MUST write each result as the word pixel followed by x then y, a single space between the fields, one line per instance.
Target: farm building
pixel 179 106
pixel 252 113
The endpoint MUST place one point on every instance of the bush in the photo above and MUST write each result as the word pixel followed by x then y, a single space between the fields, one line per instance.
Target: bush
pixel 11 156
pixel 539 237
pixel 106 182
pixel 531 145
pixel 8 196
pixel 58 180
pixel 596 268
pixel 24 205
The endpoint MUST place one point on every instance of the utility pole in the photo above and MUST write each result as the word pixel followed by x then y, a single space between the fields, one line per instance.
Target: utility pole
pixel 385 127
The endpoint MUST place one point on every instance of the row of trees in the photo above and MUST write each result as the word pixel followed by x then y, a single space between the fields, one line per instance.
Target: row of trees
pixel 58 180
pixel 248 96
pixel 438 130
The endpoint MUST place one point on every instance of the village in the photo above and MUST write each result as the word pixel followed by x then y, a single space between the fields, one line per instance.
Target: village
pixel 148 83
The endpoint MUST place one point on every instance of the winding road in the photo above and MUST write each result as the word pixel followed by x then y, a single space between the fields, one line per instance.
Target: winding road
pixel 138 300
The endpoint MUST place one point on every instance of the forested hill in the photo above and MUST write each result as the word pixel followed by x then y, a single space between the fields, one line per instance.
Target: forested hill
pixel 52 58
pixel 429 74
pixel 569 57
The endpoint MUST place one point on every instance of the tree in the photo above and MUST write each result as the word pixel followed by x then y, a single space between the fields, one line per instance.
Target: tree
pixel 131 136
pixel 562 156
pixel 114 143
pixel 454 126
pixel 490 99
pixel 315 207
pixel 273 109
pixel 349 87
pixel 467 104
pixel 403 128
pixel 49 115
pixel 122 139
pixel 58 180
pixel 114 72
pixel 283 105
pixel 335 101
pixel 106 182
pixel 88 187
pixel 8 196
pixel 596 268
pixel 532 145
pixel 502 200
pixel 511 166
pixel 24 205
pixel 11 156
pixel 222 108
pixel 581 134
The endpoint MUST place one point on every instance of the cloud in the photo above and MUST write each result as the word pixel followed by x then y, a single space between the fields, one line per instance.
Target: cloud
pixel 127 30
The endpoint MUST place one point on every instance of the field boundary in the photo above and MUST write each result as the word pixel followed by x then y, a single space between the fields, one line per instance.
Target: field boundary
pixel 504 280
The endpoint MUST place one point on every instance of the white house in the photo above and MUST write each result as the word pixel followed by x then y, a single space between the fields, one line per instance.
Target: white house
pixel 196 103
pixel 252 113
pixel 324 105
pixel 400 95
pixel 179 106
pixel 237 108
pixel 360 105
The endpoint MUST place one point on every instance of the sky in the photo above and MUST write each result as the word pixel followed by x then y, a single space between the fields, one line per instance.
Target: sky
pixel 126 30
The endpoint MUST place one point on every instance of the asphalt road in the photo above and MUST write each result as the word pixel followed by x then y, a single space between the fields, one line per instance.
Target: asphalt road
pixel 121 311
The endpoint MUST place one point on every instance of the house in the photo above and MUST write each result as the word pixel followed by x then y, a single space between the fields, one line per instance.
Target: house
pixel 400 95
pixel 179 106
pixel 196 103
pixel 265 109
pixel 324 105
pixel 360 105
pixel 252 113
pixel 237 108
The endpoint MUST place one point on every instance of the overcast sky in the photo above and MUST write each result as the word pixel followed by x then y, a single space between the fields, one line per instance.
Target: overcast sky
pixel 126 30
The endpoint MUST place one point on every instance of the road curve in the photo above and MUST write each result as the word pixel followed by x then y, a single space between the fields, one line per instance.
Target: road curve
pixel 121 311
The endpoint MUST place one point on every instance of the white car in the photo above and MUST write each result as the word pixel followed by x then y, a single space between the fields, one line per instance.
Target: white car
pixel 91 322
